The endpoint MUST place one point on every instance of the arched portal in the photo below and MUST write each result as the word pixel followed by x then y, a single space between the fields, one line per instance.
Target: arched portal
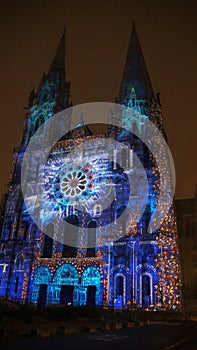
pixel 91 282
pixel 65 282
pixel 146 288
pixel 119 290
pixel 41 281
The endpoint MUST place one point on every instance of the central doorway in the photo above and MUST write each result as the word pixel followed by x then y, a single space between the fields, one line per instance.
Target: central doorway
pixel 91 296
pixel 66 295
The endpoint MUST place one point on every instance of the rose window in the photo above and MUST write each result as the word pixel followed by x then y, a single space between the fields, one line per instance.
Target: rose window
pixel 73 184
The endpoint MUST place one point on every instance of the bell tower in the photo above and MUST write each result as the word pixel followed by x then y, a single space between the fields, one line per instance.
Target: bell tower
pixel 19 235
pixel 51 97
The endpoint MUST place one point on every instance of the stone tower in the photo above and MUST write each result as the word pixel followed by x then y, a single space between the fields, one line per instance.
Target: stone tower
pixel 141 269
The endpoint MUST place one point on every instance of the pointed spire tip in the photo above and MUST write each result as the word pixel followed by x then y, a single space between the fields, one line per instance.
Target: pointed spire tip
pixel 58 63
pixel 135 72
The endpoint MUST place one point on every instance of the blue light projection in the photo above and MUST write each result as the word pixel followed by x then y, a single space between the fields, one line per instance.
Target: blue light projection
pixel 133 267
pixel 64 286
pixel 85 184
pixel 73 184
pixel 138 270
pixel 41 277
pixel 67 275
pixel 91 278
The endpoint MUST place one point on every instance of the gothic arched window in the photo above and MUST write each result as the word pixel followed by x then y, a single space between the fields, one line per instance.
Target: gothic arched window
pixel 69 251
pixel 97 209
pixel 19 262
pixel 148 252
pixel 119 290
pixel 91 243
pixel 16 284
pixel 146 285
pixel 119 285
pixel 48 241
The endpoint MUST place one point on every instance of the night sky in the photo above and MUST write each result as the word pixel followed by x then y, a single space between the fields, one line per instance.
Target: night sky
pixel 96 46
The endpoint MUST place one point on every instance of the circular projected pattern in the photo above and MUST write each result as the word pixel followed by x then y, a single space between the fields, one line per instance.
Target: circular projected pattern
pixel 73 184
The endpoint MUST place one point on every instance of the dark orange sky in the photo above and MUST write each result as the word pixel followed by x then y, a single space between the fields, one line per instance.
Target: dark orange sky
pixel 97 41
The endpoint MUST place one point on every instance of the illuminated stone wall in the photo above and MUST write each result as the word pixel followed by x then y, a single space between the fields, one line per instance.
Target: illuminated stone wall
pixel 139 270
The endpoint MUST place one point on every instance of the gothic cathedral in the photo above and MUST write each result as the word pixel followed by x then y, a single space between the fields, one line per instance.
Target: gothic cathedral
pixel 140 269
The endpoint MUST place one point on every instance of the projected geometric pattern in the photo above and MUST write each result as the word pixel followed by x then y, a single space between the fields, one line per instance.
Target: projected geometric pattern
pixel 139 269
pixel 73 184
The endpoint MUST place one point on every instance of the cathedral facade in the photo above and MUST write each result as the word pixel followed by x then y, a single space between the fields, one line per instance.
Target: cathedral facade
pixel 140 269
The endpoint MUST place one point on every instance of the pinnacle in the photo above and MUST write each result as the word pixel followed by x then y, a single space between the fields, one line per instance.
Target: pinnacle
pixel 135 72
pixel 58 63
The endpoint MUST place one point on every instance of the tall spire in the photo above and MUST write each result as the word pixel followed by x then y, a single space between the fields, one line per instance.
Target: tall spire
pixel 58 63
pixel 135 74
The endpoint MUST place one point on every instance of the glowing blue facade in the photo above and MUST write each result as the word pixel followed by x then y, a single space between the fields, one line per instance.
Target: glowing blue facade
pixel 129 272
